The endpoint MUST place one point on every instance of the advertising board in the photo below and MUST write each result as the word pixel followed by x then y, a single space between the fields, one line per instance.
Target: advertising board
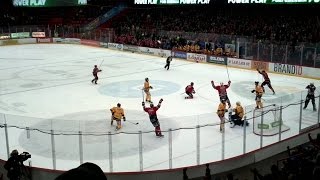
pixel 38 34
pixel 241 63
pixel 90 42
pixel 20 35
pixel 115 46
pixel 130 48
pixel 196 57
pixel 217 60
pixel 286 69
pixel 44 40
pixel 260 65
pixel 179 54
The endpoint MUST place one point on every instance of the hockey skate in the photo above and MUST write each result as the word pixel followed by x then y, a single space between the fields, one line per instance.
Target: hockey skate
pixel 232 124
pixel 247 124
pixel 160 136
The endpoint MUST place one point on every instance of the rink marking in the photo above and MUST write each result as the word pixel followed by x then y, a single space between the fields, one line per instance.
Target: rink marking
pixel 87 80
pixel 22 59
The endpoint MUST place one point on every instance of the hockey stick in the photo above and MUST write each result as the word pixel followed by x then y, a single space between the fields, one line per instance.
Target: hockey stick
pixel 101 63
pixel 142 95
pixel 228 72
pixel 132 122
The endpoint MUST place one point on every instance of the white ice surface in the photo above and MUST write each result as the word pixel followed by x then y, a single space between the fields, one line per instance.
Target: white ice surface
pixel 47 87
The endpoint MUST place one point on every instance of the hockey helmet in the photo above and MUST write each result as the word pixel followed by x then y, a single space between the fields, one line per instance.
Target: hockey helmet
pixel 151 105
pixel 147 79
pixel 191 83
pixel 312 83
pixel 95 66
pixel 238 103
pixel 256 82
pixel 119 105
pixel 14 153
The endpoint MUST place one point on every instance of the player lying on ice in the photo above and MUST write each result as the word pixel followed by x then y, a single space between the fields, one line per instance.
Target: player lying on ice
pixel 236 119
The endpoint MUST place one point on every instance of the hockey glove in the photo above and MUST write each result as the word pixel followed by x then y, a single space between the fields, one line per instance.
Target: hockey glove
pixel 161 100
pixel 143 104
pixel 112 112
pixel 151 87
pixel 229 82
pixel 253 91
pixel 212 82
pixel 124 118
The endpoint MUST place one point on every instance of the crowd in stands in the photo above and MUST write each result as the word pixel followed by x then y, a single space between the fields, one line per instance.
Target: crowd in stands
pixel 170 27
pixel 267 24
pixel 302 162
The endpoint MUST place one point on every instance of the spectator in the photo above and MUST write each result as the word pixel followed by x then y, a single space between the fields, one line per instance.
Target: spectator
pixel 84 172
pixel 315 142
pixel 185 176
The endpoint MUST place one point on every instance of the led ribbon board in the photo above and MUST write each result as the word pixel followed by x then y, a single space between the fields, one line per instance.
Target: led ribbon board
pixel 161 2
pixel 48 3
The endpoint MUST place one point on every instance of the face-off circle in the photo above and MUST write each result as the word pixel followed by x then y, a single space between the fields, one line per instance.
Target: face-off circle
pixel 133 88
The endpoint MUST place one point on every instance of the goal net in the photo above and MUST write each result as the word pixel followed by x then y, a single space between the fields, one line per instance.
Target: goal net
pixel 267 121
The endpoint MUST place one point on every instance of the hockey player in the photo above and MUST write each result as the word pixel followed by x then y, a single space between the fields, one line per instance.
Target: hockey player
pixel 266 80
pixel 95 74
pixel 311 89
pixel 152 111
pixel 168 61
pixel 117 114
pixel 146 89
pixel 259 91
pixel 189 91
pixel 236 119
pixel 222 90
pixel 220 112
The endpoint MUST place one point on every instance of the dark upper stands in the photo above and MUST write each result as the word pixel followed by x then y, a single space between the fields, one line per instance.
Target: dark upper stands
pixel 284 24
pixel 148 25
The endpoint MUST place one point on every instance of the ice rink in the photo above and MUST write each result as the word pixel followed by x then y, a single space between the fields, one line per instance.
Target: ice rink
pixel 47 87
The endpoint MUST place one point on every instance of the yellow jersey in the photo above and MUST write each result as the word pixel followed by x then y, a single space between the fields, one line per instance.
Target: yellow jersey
pixel 259 90
pixel 146 86
pixel 118 112
pixel 221 109
pixel 239 111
